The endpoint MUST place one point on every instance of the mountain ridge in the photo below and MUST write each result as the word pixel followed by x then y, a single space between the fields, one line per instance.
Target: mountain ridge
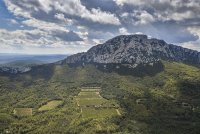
pixel 135 50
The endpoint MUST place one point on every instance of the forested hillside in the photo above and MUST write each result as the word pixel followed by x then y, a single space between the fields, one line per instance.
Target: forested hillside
pixel 167 101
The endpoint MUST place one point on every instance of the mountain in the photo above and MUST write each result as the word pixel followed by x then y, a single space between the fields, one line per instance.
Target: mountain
pixel 6 58
pixel 134 50
pixel 163 98
pixel 20 63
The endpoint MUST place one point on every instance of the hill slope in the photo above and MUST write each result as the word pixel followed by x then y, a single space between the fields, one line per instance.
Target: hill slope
pixel 155 92
pixel 162 113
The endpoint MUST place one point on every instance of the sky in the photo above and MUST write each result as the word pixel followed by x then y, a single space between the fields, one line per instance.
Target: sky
pixel 72 26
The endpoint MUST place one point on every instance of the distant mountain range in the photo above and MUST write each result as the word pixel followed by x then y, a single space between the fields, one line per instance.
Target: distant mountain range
pixel 9 58
pixel 19 63
pixel 134 50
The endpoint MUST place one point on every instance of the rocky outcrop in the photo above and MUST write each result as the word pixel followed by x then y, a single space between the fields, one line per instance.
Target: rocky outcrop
pixel 134 50
pixel 14 70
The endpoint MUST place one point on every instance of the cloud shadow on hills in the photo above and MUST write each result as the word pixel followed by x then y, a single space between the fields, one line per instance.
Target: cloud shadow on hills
pixel 127 69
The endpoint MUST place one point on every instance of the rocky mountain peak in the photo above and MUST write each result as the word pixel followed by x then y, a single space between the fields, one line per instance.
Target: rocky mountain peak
pixel 127 38
pixel 135 50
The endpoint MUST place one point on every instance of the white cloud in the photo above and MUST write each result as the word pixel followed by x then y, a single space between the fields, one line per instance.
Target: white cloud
pixel 13 21
pixel 124 15
pixel 51 35
pixel 69 7
pixel 195 30
pixel 103 17
pixel 132 2
pixel 138 17
pixel 195 45
pixel 123 31
pixel 143 17
pixel 51 21
pixel 139 33
pixel 166 10
pixel 48 26
pixel 45 5
pixel 183 16
pixel 61 17
pixel 74 7
pixel 37 41
pixel 16 10
pixel 97 41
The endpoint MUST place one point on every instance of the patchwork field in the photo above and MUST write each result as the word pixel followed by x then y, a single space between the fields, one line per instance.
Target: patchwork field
pixel 89 94
pixel 90 112
pixel 23 112
pixel 93 105
pixel 91 101
pixel 50 105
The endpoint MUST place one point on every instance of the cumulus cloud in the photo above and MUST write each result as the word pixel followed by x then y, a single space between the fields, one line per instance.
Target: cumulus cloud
pixel 123 31
pixel 35 39
pixel 81 23
pixel 70 7
pixel 53 29
pixel 62 17
pixel 166 10
pixel 48 26
pixel 138 17
pixel 13 21
pixel 58 21
pixel 191 45
pixel 143 17
pixel 132 2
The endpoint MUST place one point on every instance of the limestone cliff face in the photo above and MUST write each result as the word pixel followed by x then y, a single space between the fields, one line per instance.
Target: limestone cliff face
pixel 135 50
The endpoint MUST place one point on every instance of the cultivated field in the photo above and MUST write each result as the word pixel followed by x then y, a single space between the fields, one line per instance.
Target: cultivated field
pixel 89 94
pixel 23 112
pixel 50 105
pixel 90 112
pixel 91 101
pixel 93 105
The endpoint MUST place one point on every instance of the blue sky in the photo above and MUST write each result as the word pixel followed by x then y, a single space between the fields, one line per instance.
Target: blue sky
pixel 71 26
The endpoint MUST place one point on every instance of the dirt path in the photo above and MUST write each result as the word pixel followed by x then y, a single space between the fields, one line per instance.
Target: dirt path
pixel 99 94
pixel 77 103
pixel 118 112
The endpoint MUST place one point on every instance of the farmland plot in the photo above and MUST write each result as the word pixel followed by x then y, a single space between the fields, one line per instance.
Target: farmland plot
pixel 50 105
pixel 93 105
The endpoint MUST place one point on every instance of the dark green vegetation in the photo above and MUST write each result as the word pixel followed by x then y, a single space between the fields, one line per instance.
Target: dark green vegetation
pixel 167 102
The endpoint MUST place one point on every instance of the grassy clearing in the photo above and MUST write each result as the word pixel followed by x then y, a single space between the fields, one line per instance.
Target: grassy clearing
pixel 97 89
pixel 23 112
pixel 50 105
pixel 98 113
pixel 94 106
pixel 91 101
pixel 88 94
